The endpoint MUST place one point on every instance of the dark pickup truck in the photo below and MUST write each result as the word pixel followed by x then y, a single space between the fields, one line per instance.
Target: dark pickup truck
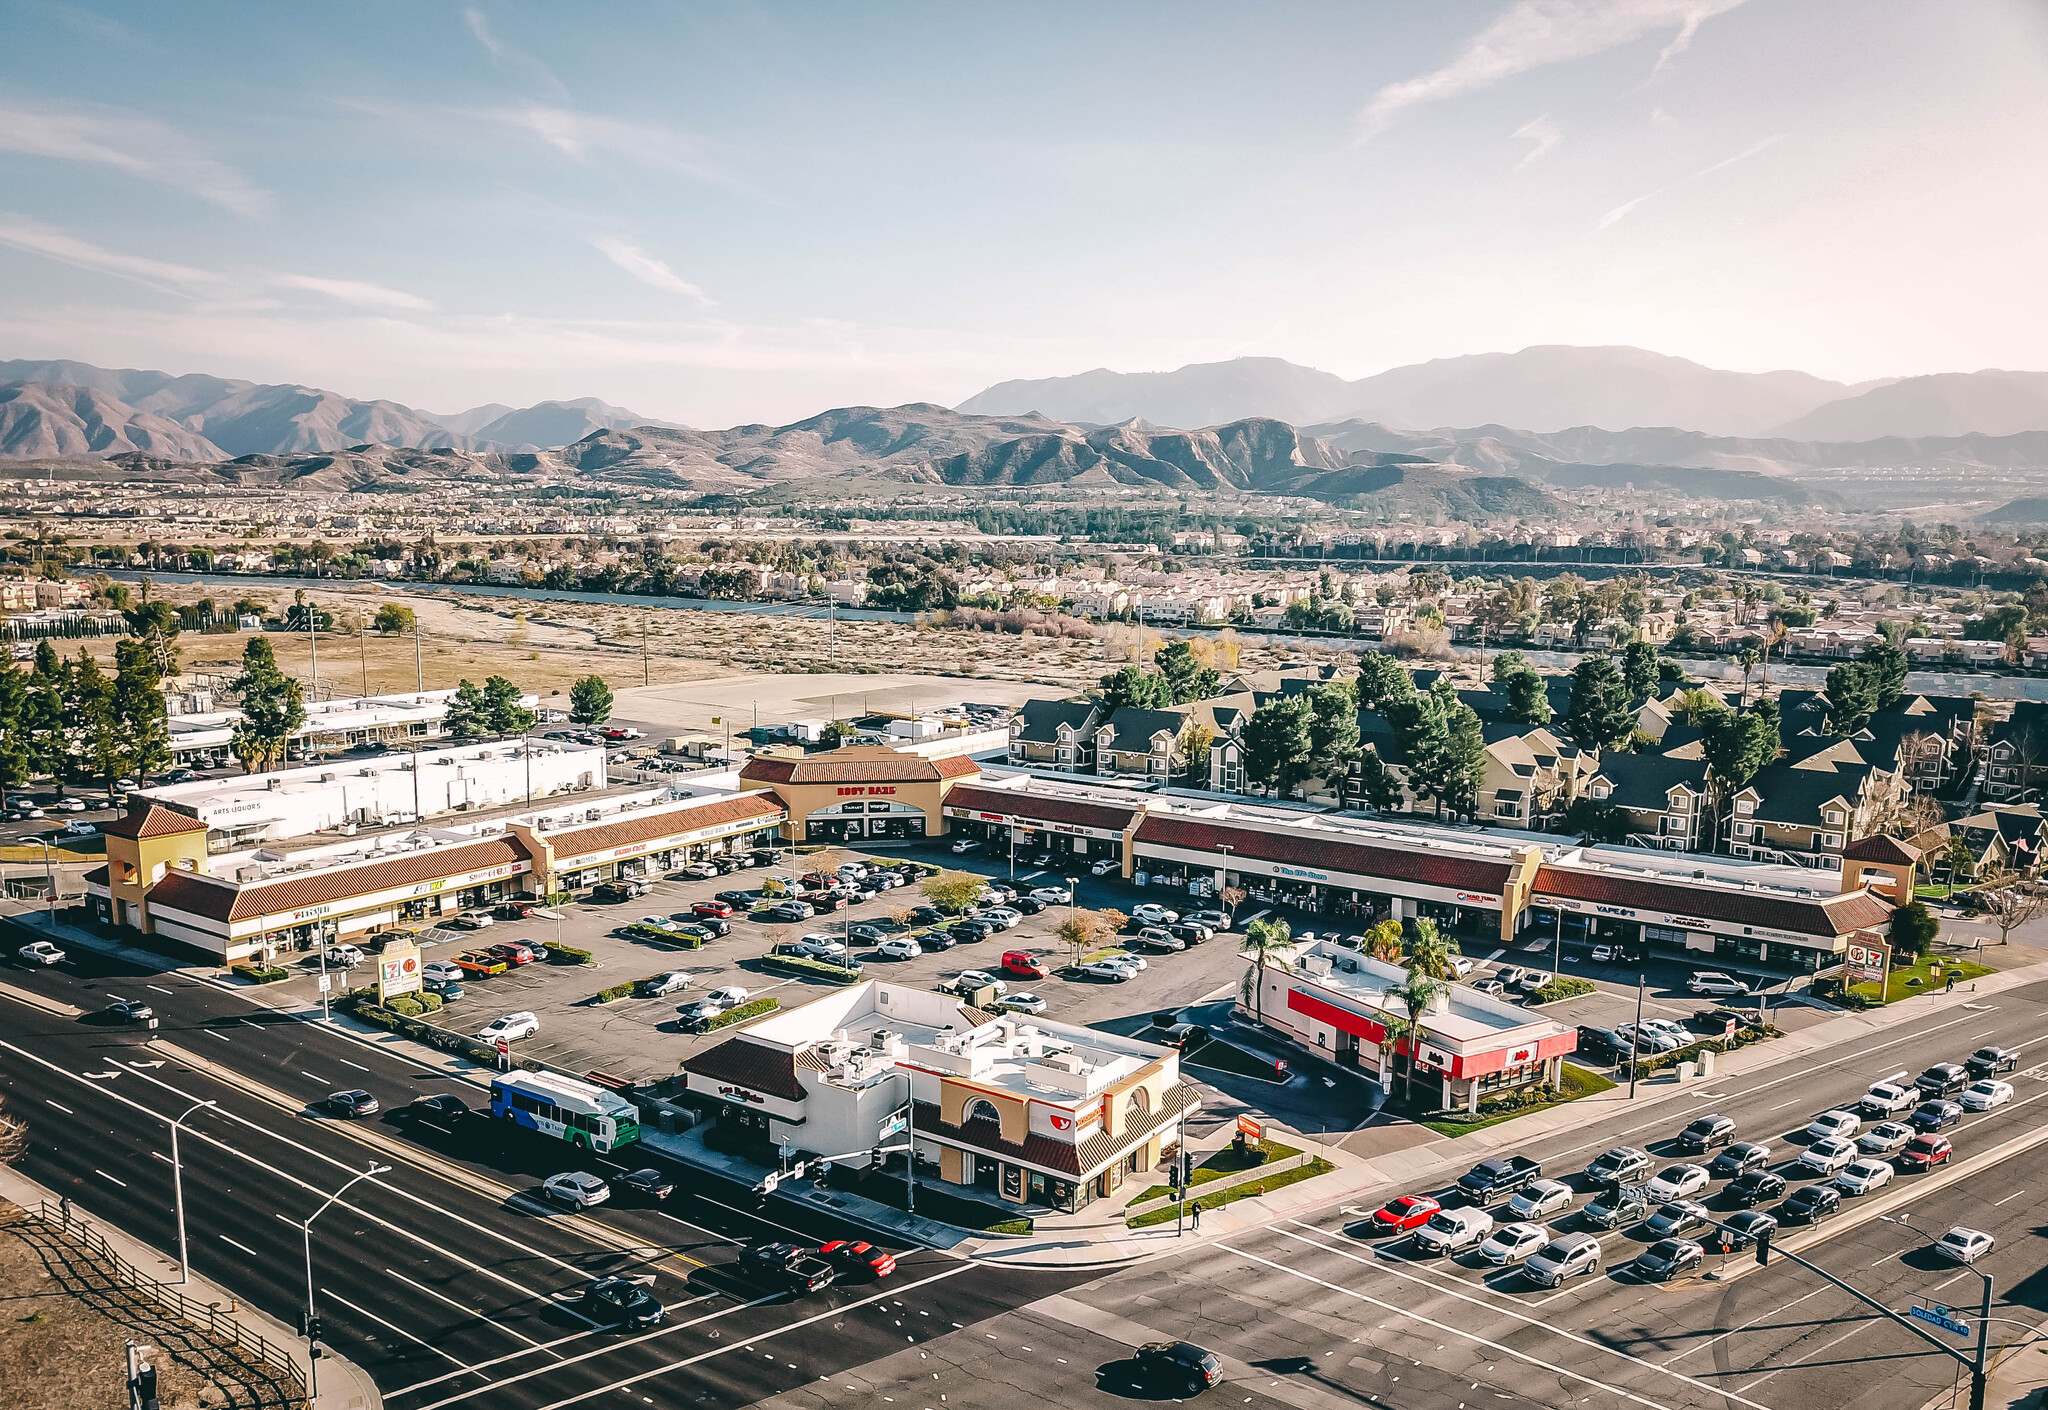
pixel 1490 1180
pixel 791 1267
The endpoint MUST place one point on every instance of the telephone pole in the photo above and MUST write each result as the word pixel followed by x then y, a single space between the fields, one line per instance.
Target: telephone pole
pixel 643 650
pixel 419 668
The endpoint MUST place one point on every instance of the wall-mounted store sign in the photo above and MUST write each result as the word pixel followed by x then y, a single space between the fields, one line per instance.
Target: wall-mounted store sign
pixel 872 790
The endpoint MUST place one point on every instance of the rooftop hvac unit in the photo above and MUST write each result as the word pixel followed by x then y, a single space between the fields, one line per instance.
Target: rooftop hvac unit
pixel 274 784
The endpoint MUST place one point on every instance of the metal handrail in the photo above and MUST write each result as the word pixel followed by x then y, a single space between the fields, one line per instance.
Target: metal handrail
pixel 217 1323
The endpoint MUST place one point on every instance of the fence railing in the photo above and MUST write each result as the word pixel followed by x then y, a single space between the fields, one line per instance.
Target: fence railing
pixel 219 1325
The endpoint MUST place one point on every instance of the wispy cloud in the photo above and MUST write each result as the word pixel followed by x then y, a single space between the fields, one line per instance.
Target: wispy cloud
pixel 1742 156
pixel 1531 34
pixel 128 142
pixel 512 61
pixel 1621 212
pixel 645 267
pixel 584 135
pixel 1544 133
pixel 355 291
pixel 21 233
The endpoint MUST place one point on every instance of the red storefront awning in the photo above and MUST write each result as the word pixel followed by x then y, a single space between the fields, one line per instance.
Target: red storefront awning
pixel 1462 1064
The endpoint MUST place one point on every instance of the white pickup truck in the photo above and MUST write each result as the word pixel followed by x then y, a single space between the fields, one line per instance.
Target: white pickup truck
pixel 1889 1096
pixel 1449 1230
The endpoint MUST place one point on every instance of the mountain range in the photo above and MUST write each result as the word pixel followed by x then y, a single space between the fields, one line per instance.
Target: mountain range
pixel 1543 389
pixel 61 408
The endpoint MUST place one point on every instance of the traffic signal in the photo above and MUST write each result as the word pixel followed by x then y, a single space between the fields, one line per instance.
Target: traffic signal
pixel 312 1329
pixel 1763 1247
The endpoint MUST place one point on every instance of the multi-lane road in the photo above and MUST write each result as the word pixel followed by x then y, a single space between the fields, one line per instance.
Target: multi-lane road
pixel 447 1278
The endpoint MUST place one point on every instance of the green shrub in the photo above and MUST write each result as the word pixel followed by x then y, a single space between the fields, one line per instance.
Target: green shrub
pixel 1744 1036
pixel 616 992
pixel 752 1009
pixel 637 931
pixel 432 1003
pixel 405 1006
pixel 261 974
pixel 566 954
pixel 804 967
pixel 1564 986
pixel 383 1018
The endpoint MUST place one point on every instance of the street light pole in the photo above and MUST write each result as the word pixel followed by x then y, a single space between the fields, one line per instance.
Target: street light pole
pixel 178 1190
pixel 1635 1034
pixel 312 1316
pixel 49 877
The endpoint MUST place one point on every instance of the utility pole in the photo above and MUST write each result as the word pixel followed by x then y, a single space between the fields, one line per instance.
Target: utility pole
pixel 1635 1034
pixel 910 1150
pixel 363 644
pixel 419 669
pixel 313 639
pixel 644 677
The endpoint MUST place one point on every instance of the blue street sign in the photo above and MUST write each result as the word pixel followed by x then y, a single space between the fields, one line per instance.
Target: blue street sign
pixel 1942 1318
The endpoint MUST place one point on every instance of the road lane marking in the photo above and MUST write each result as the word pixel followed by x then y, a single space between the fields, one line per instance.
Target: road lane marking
pixel 1506 1311
pixel 1702 1346
pixel 1975 1036
pixel 1857 1330
pixel 248 1023
pixel 717 1351
pixel 332 1296
pixel 243 1247
pixel 463 1308
pixel 105 1176
pixel 315 1076
pixel 356 1065
pixel 1448 1330
pixel 480 1366
pixel 211 1034
pixel 60 1106
pixel 158 987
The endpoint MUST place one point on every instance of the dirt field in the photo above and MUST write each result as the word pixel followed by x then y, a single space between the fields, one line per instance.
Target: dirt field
pixel 58 1353
pixel 545 645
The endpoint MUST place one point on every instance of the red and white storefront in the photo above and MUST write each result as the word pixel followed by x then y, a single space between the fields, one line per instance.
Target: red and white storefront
pixel 1334 1001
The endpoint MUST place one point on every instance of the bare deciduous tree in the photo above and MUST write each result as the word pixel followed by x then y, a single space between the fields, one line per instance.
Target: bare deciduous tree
pixel 2012 905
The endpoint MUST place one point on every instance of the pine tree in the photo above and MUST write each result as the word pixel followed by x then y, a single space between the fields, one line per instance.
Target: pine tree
pixel 1600 717
pixel 1129 685
pixel 468 714
pixel 1466 748
pixel 1332 731
pixel 273 708
pixel 1852 694
pixel 503 714
pixel 1277 744
pixel 1889 664
pixel 1377 785
pixel 43 714
pixel 140 709
pixel 590 701
pixel 16 762
pixel 1639 669
pixel 1381 681
pixel 1425 734
pixel 94 724
pixel 1186 677
pixel 1528 698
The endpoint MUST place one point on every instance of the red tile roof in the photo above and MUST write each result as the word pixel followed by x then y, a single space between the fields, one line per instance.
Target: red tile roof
pixel 1106 817
pixel 152 819
pixel 1824 917
pixel 601 837
pixel 957 766
pixel 1881 848
pixel 747 1064
pixel 823 768
pixel 1325 852
pixel 185 892
pixel 345 883
pixel 1069 1158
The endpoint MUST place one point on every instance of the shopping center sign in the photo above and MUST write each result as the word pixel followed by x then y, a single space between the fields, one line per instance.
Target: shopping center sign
pixel 398 970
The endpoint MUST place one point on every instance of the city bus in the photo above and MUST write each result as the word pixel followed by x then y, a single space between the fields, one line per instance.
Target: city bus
pixel 577 1112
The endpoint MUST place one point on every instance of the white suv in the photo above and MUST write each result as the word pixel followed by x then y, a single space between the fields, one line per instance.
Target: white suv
pixel 577 1189
pixel 1154 915
pixel 512 1026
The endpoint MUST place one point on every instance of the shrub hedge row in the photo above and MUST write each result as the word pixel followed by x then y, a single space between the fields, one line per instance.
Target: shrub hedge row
pixel 259 974
pixel 804 967
pixel 753 1009
pixel 1744 1036
pixel 566 954
pixel 1564 986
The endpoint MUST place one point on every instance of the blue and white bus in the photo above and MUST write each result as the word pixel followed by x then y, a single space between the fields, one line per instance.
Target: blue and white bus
pixel 580 1113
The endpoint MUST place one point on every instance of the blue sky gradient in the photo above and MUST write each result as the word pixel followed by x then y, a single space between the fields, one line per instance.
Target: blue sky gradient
pixel 731 212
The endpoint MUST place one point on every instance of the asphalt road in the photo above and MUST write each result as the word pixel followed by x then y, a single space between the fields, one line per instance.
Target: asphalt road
pixel 445 1292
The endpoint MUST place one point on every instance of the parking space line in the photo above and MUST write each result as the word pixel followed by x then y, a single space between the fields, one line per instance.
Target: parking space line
pixel 1503 1311
pixel 2010 1198
pixel 332 1296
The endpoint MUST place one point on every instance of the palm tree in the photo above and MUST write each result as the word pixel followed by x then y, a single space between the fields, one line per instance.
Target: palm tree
pixel 1415 995
pixel 1430 954
pixel 1383 941
pixel 1747 659
pixel 1774 632
pixel 1269 942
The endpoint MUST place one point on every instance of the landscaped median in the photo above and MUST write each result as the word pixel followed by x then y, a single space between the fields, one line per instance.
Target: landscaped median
pixel 641 931
pixel 1578 1082
pixel 803 967
pixel 1229 1180
pixel 752 1009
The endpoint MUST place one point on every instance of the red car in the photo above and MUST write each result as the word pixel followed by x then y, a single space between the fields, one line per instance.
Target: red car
pixel 1405 1212
pixel 1024 965
pixel 515 910
pixel 1925 1152
pixel 712 908
pixel 853 1257
pixel 514 952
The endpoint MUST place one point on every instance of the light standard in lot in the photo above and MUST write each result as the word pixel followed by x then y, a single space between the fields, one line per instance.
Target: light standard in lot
pixel 312 1316
pixel 49 875
pixel 178 1189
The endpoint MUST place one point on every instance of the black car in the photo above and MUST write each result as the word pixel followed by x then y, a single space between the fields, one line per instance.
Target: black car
pixel 926 915
pixel 973 931
pixel 1025 906
pixel 1740 1229
pixel 1810 1204
pixel 1935 1116
pixel 1602 1043
pixel 711 925
pixel 1707 1132
pixel 650 1186
pixel 1944 1079
pixel 1739 1159
pixel 1755 1187
pixel 790 1267
pixel 938 940
pixel 727 865
pixel 761 857
pixel 1989 1062
pixel 354 1103
pixel 130 1011
pixel 865 934
pixel 1669 1258
pixel 621 1302
pixel 740 900
pixel 1181 1363
pixel 440 1110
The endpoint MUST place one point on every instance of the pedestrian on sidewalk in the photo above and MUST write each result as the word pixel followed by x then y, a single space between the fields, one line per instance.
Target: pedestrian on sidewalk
pixel 1195 1208
pixel 1951 982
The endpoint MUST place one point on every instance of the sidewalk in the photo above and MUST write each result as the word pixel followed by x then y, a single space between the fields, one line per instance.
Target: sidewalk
pixel 343 1384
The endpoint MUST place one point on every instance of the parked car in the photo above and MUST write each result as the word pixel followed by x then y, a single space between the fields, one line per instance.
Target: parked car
pixel 657 985
pixel 1602 1044
pixel 473 920
pixel 1602 954
pixel 1707 1132
pixel 480 964
pixel 341 956
pixel 1982 1096
pixel 1189 932
pixel 1107 969
pixel 1151 914
pixel 1023 964
pixel 719 910
pixel 1052 895
pixel 1105 867
pixel 1669 1258
pixel 1860 1177
pixel 516 952
pixel 1739 1159
pixel 1677 1182
pixel 1989 1062
pixel 964 846
pixel 1961 1245
pixel 1158 938
pixel 1708 981
pixel 788 911
pixel 621 1302
pixel 1648 1039
pixel 576 1189
pixel 1924 1152
pixel 898 948
pixel 512 1027
pixel 1532 980
pixel 355 1103
pixel 1022 1003
pixel 967 981
pixel 1809 1204
pixel 1511 1243
pixel 440 971
pixel 1563 1257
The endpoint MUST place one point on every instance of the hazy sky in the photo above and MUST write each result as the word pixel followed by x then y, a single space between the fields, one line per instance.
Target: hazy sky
pixel 723 213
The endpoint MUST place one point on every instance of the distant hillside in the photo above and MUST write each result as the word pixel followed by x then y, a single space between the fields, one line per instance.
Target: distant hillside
pixel 2020 511
pixel 1540 388
pixel 52 419
pixel 249 418
pixel 1991 403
